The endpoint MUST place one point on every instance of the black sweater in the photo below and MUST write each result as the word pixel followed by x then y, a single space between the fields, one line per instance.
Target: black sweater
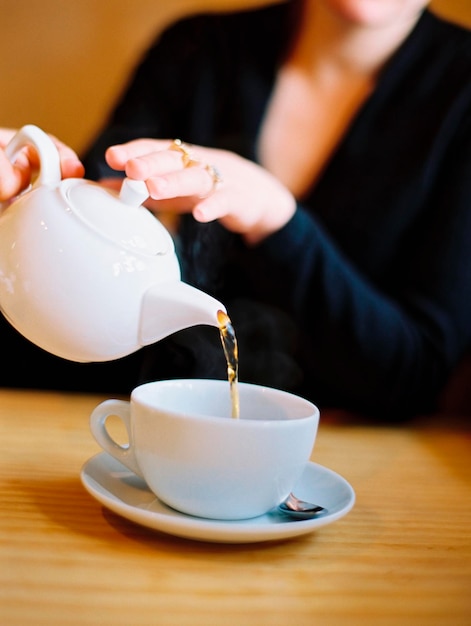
pixel 375 267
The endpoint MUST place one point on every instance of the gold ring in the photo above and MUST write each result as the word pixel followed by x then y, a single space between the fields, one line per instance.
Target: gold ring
pixel 187 159
pixel 216 178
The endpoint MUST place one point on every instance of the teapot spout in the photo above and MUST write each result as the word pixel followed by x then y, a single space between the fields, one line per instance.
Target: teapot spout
pixel 171 306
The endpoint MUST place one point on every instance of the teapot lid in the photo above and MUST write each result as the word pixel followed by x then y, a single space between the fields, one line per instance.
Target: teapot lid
pixel 133 227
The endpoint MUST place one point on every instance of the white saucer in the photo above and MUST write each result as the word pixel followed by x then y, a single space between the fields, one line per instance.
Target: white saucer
pixel 117 488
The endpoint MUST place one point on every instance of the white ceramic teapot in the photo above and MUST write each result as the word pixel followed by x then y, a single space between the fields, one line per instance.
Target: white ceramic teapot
pixel 87 274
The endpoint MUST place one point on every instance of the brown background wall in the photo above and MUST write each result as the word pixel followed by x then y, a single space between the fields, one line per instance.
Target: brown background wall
pixel 63 63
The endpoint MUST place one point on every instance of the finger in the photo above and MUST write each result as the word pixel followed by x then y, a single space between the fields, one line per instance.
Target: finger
pixel 13 177
pixel 153 164
pixel 117 156
pixel 72 168
pixel 211 208
pixel 191 181
pixel 71 165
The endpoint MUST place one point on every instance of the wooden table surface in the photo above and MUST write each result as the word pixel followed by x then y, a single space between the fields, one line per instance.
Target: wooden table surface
pixel 401 556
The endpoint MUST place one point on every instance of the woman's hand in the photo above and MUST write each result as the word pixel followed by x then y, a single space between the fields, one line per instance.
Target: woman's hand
pixel 14 177
pixel 212 184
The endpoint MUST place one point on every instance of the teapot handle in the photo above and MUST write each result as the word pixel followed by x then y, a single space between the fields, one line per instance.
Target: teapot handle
pixel 50 167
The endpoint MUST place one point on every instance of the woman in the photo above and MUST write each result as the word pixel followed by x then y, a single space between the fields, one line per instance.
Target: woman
pixel 342 221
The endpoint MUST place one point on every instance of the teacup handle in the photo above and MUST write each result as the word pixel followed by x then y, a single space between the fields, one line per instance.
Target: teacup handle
pixel 50 166
pixel 121 409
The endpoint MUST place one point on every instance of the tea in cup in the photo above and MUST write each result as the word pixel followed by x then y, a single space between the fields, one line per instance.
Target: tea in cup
pixel 198 459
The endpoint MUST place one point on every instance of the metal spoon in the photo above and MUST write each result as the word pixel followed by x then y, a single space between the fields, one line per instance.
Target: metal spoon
pixel 299 509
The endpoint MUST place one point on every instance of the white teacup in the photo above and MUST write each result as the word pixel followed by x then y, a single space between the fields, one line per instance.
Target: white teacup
pixel 198 459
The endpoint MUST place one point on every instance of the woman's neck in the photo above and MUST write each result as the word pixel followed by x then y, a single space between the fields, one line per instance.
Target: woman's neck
pixel 331 43
pixel 329 74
